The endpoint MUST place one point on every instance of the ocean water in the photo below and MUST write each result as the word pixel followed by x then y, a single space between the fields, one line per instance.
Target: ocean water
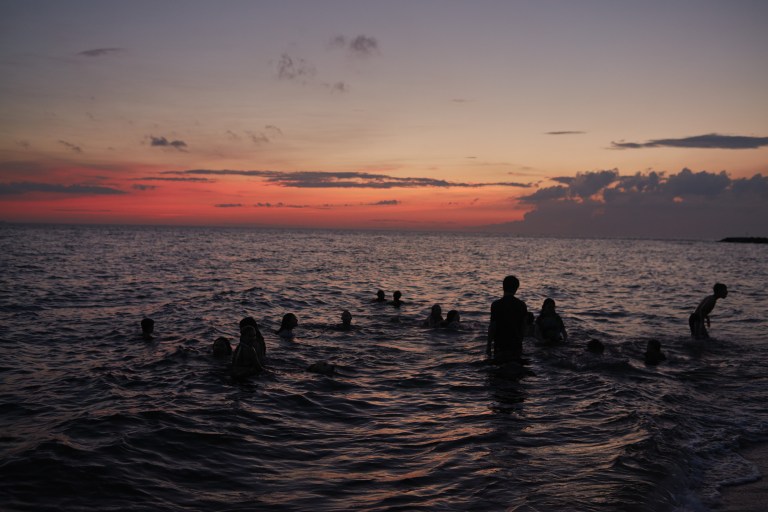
pixel 95 418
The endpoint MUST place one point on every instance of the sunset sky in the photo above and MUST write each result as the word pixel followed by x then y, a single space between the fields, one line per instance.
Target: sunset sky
pixel 568 118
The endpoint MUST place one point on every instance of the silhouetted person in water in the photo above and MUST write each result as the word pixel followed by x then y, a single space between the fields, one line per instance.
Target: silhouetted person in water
pixel 653 353
pixel 595 346
pixel 248 358
pixel 396 299
pixel 259 343
pixel 287 325
pixel 147 328
pixel 507 327
pixel 549 326
pixel 435 317
pixel 222 347
pixel 699 319
pixel 346 322
pixel 452 321
pixel 380 297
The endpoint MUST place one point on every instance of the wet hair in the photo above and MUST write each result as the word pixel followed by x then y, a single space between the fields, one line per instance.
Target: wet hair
pixel 346 317
pixel 548 303
pixel 288 319
pixel 380 294
pixel 452 316
pixel 720 289
pixel 654 345
pixel 437 310
pixel 147 326
pixel 222 347
pixel 249 320
pixel 397 295
pixel 511 284
pixel 248 332
pixel 595 346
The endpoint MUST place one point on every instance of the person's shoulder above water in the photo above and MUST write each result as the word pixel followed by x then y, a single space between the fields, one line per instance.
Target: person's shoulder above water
pixel 248 357
pixel 222 347
pixel 288 323
pixel 346 322
pixel 396 299
pixel 452 321
pixel 549 326
pixel 435 317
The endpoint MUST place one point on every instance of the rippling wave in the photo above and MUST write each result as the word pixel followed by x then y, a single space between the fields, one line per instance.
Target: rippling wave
pixel 94 417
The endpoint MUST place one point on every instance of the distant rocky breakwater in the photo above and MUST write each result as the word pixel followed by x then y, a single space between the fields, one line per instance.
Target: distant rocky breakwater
pixel 746 240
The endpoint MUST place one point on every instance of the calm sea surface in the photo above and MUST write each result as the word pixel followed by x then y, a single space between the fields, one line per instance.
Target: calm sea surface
pixel 92 417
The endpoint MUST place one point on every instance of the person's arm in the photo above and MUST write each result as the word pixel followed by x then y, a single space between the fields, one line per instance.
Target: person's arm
pixel 707 306
pixel 562 330
pixel 491 337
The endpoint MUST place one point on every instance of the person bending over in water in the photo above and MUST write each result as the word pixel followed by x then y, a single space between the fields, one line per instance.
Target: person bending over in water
pixel 249 354
pixel 396 299
pixel 452 321
pixel 699 319
pixel 287 325
pixel 435 318
pixel 549 326
pixel 380 297
pixel 507 327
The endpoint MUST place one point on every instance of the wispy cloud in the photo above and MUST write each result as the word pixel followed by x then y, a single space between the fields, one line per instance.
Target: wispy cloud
pixel 179 178
pixel 100 52
pixel 163 142
pixel 281 205
pixel 566 132
pixel 142 187
pixel 358 46
pixel 20 188
pixel 72 147
pixel 319 179
pixel 339 87
pixel 290 68
pixel 324 206
pixel 709 141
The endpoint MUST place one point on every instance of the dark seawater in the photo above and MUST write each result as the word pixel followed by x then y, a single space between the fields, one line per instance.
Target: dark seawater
pixel 94 418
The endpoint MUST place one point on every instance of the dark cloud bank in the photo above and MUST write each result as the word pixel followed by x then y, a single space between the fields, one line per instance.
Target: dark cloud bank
pixel 321 179
pixel 163 142
pixel 21 188
pixel 687 205
pixel 709 141
pixel 100 52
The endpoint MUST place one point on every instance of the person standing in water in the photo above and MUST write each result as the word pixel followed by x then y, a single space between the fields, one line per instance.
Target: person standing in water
pixel 699 319
pixel 508 324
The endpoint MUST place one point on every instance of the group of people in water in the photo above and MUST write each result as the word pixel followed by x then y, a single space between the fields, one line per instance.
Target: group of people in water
pixel 510 323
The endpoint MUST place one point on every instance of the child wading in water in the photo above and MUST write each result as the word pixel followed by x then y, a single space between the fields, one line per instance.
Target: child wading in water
pixel 700 317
